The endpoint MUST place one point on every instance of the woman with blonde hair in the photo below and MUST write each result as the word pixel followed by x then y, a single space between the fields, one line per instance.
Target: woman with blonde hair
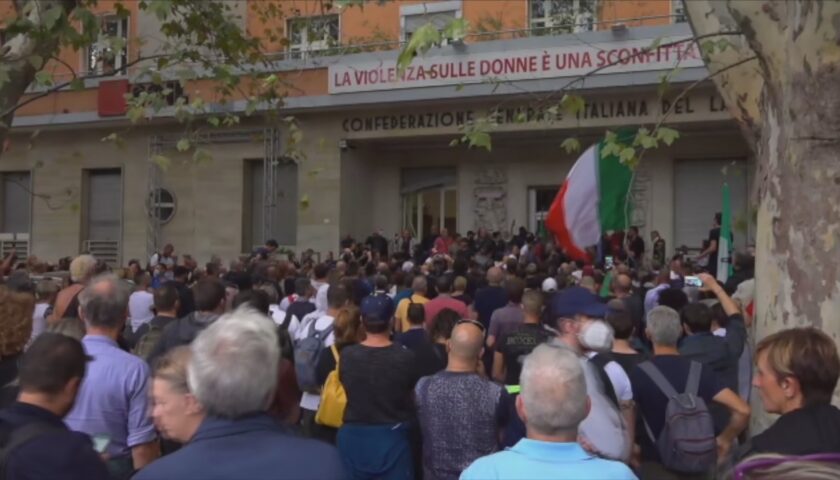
pixel 15 329
pixel 82 269
pixel 176 412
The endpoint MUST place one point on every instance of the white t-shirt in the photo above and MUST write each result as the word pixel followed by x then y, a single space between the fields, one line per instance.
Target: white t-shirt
pixel 311 401
pixel 321 298
pixel 140 305
pixel 619 379
pixel 39 321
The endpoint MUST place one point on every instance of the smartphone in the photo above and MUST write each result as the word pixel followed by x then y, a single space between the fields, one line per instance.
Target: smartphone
pixel 101 442
pixel 692 281
pixel 608 262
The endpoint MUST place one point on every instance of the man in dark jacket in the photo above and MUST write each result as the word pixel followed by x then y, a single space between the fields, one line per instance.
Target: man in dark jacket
pixel 186 296
pixel 209 296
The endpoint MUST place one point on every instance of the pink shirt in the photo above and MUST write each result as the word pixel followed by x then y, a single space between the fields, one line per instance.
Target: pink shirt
pixel 441 302
pixel 442 245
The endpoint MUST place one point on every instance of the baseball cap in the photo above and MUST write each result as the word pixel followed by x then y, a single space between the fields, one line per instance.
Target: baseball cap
pixel 377 309
pixel 549 285
pixel 577 301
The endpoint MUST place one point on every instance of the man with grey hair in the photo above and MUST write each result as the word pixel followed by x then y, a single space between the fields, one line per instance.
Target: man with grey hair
pixel 553 403
pixel 233 374
pixel 664 330
pixel 113 401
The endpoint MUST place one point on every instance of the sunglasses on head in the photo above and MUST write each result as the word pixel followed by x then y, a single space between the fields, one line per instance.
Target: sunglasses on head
pixel 471 322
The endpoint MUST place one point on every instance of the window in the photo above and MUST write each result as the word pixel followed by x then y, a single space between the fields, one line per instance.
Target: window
pixel 678 11
pixel 439 14
pixel 562 16
pixel 110 52
pixel 161 205
pixel 308 35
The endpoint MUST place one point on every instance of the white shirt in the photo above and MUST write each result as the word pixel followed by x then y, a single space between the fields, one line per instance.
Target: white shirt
pixel 287 300
pixel 321 298
pixel 140 305
pixel 619 379
pixel 159 258
pixel 39 321
pixel 604 426
pixel 311 401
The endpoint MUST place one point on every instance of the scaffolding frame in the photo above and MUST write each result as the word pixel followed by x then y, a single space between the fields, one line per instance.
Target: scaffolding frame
pixel 161 143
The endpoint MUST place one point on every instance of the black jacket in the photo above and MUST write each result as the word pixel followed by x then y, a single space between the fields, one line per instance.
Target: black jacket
pixel 182 332
pixel 812 429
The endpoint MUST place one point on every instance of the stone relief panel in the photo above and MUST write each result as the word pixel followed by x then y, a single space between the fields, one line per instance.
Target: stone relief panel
pixel 490 199
pixel 640 200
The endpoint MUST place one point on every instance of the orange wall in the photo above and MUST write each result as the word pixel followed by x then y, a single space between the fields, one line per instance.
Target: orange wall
pixel 626 9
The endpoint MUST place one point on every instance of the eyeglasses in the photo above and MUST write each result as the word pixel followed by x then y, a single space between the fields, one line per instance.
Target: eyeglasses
pixel 471 322
pixel 742 469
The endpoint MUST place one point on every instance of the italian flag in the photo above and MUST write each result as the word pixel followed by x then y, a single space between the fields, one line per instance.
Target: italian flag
pixel 591 201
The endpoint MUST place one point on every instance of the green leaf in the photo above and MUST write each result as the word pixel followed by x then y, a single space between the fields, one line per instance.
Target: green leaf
pixel 202 156
pixel 707 47
pixel 610 137
pixel 304 201
pixel 667 135
pixel 162 161
pixel 644 139
pixel 521 117
pixel 570 145
pixel 723 44
pixel 52 16
pixel 573 104
pixel 459 87
pixel 455 142
pixel 183 145
pixel 213 121
pixel 36 61
pixel 161 8
pixel 627 155
pixel 135 113
pixel 44 79
pixel 421 41
pixel 479 140
pixel 664 85
pixel 456 29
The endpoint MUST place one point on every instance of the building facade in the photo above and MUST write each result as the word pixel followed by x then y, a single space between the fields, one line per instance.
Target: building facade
pixel 377 150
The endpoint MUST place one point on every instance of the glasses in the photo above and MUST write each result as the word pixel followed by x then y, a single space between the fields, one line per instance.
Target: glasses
pixel 748 466
pixel 471 322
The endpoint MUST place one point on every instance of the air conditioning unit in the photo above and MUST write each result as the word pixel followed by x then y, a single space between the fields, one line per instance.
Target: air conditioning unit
pixel 111 98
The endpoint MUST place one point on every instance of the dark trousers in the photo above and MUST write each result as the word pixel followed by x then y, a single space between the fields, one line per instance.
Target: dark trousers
pixel 380 452
pixel 310 429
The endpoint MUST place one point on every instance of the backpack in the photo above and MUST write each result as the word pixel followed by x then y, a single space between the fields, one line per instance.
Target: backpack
pixel 333 398
pixel 145 344
pixel 307 354
pixel 687 441
pixel 19 436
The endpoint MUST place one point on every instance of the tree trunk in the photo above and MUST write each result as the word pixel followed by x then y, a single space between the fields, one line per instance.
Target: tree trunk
pixel 16 57
pixel 788 105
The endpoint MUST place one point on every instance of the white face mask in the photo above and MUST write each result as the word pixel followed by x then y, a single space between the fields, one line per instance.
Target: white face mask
pixel 596 336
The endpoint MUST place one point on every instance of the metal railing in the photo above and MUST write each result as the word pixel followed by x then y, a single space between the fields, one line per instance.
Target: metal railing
pixel 105 250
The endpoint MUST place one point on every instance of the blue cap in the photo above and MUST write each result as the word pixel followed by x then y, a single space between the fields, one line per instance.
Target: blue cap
pixel 577 301
pixel 377 308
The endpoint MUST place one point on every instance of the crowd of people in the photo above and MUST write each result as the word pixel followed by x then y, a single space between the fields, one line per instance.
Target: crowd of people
pixel 474 357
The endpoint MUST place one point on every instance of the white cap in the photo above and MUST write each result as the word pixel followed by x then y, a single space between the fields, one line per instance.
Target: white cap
pixel 549 285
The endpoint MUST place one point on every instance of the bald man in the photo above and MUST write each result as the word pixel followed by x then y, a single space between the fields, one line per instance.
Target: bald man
pixel 460 411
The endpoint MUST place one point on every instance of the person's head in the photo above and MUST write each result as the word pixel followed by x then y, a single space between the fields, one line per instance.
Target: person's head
pixel 82 268
pixel 554 400
pixel 444 284
pixel 466 344
pixel 663 326
pixel 51 371
pixel 654 235
pixel 348 326
pixel 718 219
pixel 168 250
pixel 103 304
pixel 303 287
pixel 142 280
pixel 181 273
pixel 419 285
pixel 320 272
pixel 210 295
pixel 233 370
pixel 460 284
pixel 338 296
pixel 633 232
pixel 443 323
pixel 416 313
pixel 696 318
pixel 166 300
pixel 773 466
pixel 495 275
pixel 532 305
pixel 254 298
pixel 673 298
pixel 576 314
pixel 271 245
pixel 515 287
pixel 621 322
pixel 377 311
pixel 622 285
pixel 796 368
pixel 175 410
pixel 381 282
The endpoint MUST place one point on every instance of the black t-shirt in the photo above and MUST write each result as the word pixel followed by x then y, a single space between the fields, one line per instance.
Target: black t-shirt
pixel 430 358
pixel 411 338
pixel 379 382
pixel 516 345
pixel 714 236
pixel 637 246
pixel 652 402
pixel 628 361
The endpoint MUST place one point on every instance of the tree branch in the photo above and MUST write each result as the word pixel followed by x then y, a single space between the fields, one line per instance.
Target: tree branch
pixel 69 67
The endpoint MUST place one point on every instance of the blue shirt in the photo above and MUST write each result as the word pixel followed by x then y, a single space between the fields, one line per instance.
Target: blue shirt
pixel 56 454
pixel 113 399
pixel 253 448
pixel 535 460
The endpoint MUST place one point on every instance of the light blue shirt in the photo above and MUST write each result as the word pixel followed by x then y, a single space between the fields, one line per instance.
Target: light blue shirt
pixel 534 460
pixel 113 399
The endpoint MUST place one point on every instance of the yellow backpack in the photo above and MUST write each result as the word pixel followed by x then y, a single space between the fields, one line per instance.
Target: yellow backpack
pixel 333 398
